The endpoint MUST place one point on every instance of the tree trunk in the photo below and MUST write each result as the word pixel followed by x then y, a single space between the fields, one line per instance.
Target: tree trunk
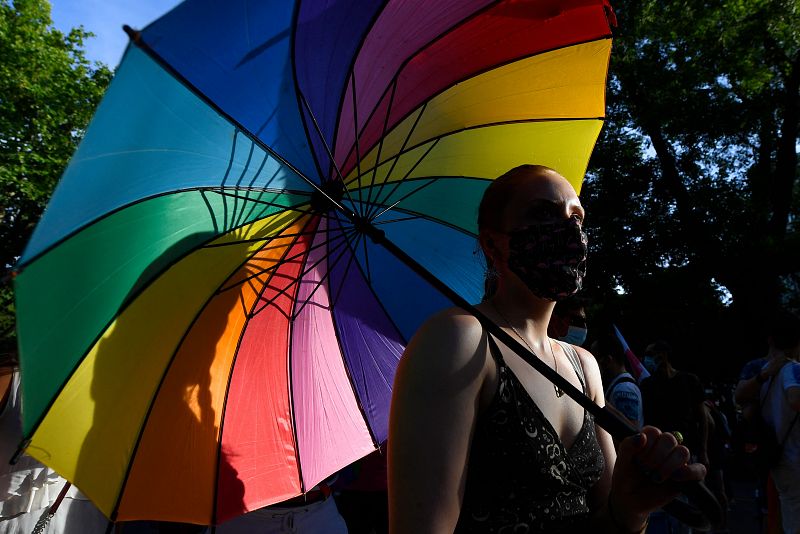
pixel 786 165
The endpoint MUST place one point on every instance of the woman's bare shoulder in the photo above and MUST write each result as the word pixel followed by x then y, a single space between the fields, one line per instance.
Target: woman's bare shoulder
pixel 446 343
pixel 587 358
pixel 452 320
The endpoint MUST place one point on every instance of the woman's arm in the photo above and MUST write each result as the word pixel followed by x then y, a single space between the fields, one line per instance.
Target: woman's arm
pixel 604 519
pixel 749 390
pixel 791 385
pixel 598 497
pixel 434 406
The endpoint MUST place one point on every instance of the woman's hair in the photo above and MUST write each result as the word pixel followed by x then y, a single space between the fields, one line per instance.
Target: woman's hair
pixel 492 209
pixel 498 194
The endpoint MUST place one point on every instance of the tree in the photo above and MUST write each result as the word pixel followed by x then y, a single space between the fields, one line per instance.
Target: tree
pixel 49 91
pixel 696 174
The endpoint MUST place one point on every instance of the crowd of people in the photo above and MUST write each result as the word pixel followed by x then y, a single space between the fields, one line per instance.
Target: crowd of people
pixel 748 427
pixel 658 395
pixel 481 442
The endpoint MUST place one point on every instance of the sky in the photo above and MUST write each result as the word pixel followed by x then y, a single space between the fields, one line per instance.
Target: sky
pixel 105 18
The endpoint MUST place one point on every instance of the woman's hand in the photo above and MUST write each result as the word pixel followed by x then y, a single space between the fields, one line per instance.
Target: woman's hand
pixel 647 467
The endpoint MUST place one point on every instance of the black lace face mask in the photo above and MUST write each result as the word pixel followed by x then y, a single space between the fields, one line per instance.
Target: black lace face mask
pixel 550 258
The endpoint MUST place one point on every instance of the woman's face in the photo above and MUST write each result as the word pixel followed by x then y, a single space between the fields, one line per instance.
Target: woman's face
pixel 538 197
pixel 540 240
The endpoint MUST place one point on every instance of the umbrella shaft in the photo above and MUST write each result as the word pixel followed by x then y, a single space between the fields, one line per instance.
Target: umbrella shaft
pixel 611 422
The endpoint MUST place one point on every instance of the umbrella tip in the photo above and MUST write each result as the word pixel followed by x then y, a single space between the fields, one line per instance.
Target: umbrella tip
pixel 133 35
pixel 9 276
pixel 610 16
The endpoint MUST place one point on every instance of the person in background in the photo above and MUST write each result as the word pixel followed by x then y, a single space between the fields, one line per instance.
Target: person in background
pixel 361 495
pixel 621 390
pixel 27 488
pixel 568 322
pixel 775 391
pixel 312 512
pixel 719 438
pixel 674 400
pixel 746 395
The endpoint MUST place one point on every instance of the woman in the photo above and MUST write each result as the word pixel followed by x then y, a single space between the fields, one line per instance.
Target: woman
pixel 479 440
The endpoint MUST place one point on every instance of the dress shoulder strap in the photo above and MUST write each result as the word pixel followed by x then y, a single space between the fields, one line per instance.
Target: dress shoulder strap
pixel 494 349
pixel 574 359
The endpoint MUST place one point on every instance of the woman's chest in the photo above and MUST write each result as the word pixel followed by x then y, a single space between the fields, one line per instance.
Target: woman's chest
pixel 535 397
pixel 513 434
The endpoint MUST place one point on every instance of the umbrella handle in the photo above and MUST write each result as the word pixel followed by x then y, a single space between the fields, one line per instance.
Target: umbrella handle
pixel 702 512
pixel 44 520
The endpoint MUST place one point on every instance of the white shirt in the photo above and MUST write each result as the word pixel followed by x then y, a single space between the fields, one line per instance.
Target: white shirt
pixel 27 488
pixel 777 413
pixel 626 397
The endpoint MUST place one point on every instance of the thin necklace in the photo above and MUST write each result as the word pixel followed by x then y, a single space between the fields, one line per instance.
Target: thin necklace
pixel 558 390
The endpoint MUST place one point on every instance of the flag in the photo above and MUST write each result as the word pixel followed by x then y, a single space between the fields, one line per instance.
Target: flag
pixel 637 369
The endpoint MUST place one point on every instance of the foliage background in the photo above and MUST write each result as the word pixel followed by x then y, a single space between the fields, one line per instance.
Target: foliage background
pixel 48 93
pixel 692 191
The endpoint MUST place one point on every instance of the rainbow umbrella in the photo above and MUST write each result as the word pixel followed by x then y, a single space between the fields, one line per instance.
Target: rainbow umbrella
pixel 211 310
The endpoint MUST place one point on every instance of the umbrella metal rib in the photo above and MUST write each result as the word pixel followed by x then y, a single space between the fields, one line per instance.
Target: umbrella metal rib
pixel 327 149
pixel 346 234
pixel 400 152
pixel 358 148
pixel 380 144
pixel 136 38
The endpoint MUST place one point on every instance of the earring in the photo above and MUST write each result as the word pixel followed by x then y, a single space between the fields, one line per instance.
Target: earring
pixel 490 281
pixel 491 273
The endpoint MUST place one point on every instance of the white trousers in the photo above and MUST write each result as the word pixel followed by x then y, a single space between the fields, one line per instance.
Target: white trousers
pixel 316 518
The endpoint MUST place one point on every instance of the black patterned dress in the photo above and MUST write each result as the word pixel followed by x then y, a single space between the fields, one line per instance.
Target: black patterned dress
pixel 521 479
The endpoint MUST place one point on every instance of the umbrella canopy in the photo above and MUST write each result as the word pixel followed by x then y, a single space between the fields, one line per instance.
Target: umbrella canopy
pixel 205 326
